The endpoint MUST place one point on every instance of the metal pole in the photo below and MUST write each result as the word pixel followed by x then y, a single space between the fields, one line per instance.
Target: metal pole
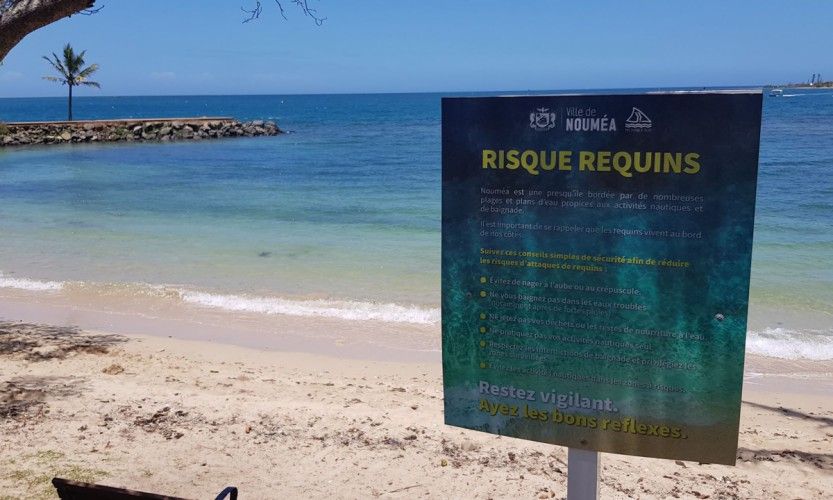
pixel 582 474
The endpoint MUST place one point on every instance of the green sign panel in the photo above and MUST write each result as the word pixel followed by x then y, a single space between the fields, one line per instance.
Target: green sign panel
pixel 595 268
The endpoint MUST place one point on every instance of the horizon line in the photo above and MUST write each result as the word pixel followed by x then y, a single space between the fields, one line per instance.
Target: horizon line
pixel 590 89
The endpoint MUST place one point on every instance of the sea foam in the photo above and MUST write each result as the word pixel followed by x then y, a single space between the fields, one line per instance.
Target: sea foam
pixel 341 309
pixel 791 344
pixel 29 284
pixel 781 343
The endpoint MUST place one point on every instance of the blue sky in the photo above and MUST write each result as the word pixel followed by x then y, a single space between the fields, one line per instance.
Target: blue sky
pixel 151 47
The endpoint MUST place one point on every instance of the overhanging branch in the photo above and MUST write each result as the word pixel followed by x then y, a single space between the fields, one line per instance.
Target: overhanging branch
pixel 18 18
pixel 304 6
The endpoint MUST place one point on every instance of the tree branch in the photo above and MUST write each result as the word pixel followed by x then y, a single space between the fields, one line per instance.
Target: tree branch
pixel 303 5
pixel 18 18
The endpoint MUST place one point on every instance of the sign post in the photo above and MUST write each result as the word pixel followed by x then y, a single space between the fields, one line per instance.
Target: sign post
pixel 582 474
pixel 595 271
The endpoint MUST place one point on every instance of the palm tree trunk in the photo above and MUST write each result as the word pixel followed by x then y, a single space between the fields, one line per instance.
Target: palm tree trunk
pixel 69 103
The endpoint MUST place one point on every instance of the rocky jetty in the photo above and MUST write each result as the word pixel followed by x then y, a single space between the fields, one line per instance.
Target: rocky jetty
pixel 163 130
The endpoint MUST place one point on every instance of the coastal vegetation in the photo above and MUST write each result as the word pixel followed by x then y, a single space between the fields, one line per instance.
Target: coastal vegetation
pixel 72 72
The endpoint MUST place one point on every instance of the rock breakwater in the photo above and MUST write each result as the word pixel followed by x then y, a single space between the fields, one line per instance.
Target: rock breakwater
pixel 163 130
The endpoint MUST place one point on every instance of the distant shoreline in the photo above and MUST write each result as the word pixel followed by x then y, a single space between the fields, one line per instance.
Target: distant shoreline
pixel 803 86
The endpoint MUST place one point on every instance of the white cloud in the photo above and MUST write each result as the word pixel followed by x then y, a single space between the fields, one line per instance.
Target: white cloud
pixel 10 76
pixel 163 75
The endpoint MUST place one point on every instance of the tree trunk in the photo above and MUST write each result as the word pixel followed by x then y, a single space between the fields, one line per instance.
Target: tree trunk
pixel 25 16
pixel 69 104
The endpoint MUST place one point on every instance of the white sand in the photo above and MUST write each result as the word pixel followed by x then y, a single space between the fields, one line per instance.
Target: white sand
pixel 190 417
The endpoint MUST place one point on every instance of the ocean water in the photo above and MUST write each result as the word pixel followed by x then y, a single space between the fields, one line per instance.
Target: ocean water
pixel 341 217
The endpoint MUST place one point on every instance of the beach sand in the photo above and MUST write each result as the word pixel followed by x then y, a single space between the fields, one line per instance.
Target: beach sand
pixel 189 417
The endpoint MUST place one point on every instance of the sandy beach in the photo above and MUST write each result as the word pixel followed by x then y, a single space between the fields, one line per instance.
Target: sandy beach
pixel 278 245
pixel 189 417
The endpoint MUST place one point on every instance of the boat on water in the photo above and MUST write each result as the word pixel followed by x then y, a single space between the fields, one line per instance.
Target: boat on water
pixel 776 92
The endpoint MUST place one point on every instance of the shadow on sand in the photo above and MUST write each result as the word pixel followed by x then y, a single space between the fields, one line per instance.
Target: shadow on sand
pixel 823 461
pixel 44 342
pixel 24 398
pixel 821 420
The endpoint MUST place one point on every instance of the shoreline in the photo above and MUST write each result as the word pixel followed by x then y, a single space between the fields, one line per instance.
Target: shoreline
pixel 89 405
pixel 370 341
pixel 404 333
pixel 359 340
pixel 796 340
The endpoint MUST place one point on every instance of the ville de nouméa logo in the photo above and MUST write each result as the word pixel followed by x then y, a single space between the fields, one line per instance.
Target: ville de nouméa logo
pixel 638 120
pixel 542 119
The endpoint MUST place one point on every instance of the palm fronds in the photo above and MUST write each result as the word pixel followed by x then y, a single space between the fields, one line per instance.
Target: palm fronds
pixel 72 72
pixel 71 68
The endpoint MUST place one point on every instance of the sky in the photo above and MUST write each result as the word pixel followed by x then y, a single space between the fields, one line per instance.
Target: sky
pixel 164 47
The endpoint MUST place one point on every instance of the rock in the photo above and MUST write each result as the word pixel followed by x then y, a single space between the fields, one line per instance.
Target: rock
pixel 79 132
pixel 468 445
pixel 113 369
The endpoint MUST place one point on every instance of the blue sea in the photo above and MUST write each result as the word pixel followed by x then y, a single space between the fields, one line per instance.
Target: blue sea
pixel 340 217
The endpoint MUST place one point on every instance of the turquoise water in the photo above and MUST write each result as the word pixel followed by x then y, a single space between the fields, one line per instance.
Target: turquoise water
pixel 341 217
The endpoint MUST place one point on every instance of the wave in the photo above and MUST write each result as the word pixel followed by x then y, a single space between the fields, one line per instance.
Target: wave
pixel 340 309
pixel 781 343
pixel 325 308
pixel 784 343
pixel 28 284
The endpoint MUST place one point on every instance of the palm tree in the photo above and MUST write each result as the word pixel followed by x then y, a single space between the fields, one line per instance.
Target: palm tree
pixel 71 72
